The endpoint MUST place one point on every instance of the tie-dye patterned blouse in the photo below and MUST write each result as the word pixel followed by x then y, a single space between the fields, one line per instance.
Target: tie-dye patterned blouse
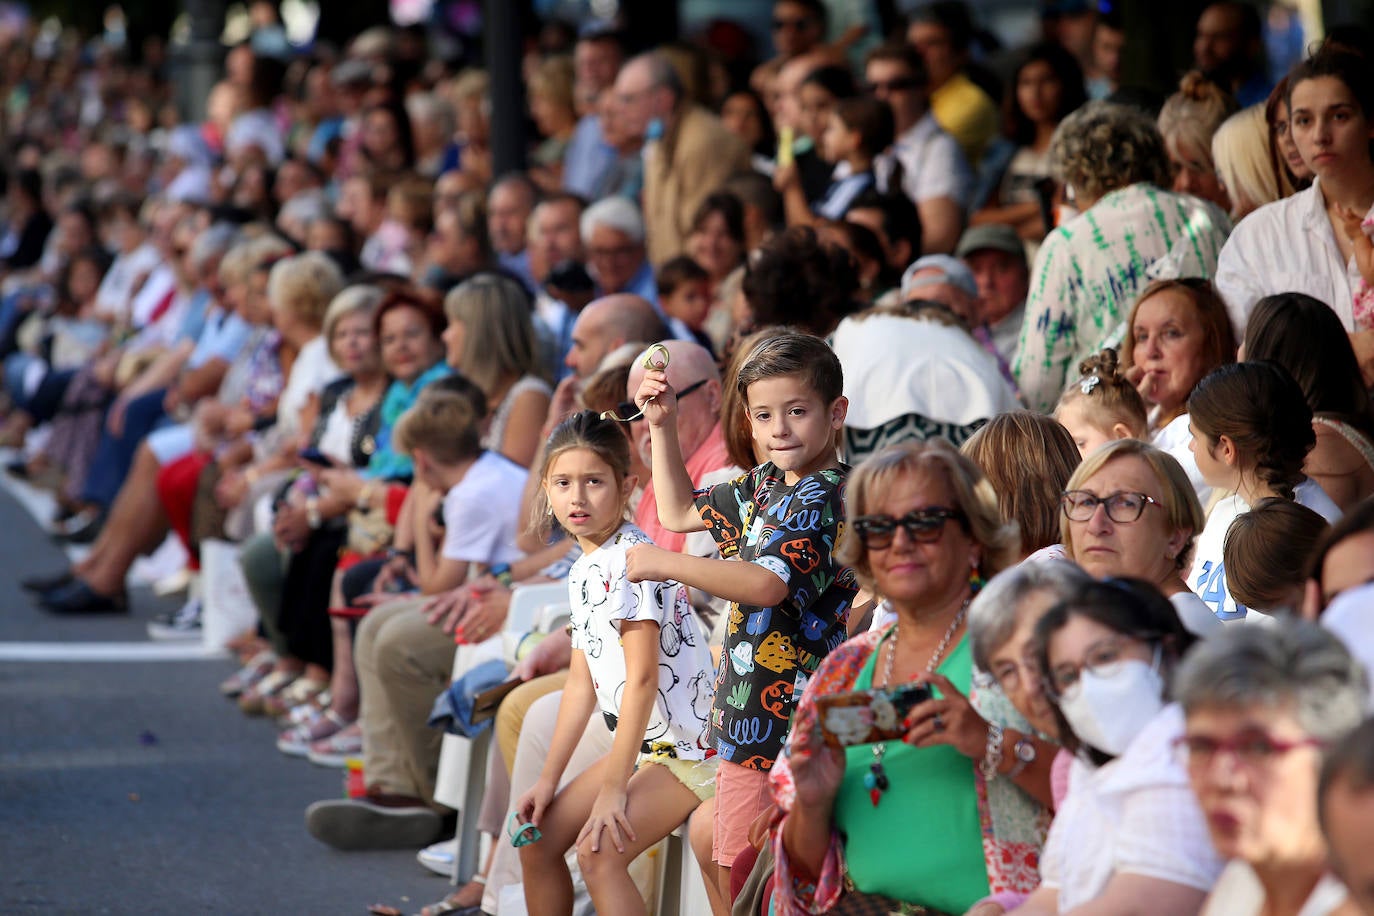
pixel 1090 270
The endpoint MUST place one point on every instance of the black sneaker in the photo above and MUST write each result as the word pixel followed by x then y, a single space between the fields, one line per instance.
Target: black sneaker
pixel 182 625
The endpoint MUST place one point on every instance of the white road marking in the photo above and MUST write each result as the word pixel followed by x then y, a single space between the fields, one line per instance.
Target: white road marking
pixel 105 652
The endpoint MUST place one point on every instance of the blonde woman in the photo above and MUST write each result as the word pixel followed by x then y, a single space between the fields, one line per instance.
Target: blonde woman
pixel 1240 149
pixel 1187 122
pixel 490 340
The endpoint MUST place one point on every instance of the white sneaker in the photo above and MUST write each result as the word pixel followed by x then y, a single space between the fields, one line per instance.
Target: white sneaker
pixel 182 625
pixel 439 857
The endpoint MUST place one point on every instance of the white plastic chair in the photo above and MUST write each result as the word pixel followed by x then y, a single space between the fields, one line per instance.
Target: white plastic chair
pixel 462 774
pixel 681 886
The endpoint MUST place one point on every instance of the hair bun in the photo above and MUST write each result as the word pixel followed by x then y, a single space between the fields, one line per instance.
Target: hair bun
pixel 1105 365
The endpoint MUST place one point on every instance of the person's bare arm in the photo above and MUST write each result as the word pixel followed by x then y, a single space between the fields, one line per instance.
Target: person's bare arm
pixel 673 487
pixel 942 219
pixel 747 583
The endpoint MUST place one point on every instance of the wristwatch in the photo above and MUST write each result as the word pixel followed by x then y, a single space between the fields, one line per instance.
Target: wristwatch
pixel 1024 752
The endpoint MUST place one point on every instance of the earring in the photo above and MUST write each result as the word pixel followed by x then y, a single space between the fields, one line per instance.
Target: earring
pixel 548 510
pixel 975 578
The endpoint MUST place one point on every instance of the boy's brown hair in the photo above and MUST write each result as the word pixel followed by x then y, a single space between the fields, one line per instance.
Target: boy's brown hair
pixel 678 272
pixel 443 423
pixel 798 354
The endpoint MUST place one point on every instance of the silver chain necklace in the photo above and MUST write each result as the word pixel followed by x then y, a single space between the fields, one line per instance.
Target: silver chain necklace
pixel 875 780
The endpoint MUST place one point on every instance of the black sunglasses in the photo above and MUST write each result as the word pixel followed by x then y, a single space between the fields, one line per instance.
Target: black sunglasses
pixel 922 526
pixel 631 409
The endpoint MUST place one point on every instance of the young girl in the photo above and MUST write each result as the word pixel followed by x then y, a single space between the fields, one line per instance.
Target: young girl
pixel 1252 430
pixel 856 131
pixel 640 659
pixel 1102 405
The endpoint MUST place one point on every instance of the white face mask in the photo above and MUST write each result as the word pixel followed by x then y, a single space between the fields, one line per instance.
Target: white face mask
pixel 1108 712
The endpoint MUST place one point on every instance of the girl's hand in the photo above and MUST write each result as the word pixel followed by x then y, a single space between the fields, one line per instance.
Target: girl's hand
pixel 647 563
pixel 531 806
pixel 949 720
pixel 656 398
pixel 608 814
pixel 817 768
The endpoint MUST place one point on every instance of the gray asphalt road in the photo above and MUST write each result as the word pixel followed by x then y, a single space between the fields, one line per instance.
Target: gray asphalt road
pixel 134 787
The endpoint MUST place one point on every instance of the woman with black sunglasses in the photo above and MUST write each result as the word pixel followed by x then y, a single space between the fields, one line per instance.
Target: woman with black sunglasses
pixel 1129 510
pixel 967 786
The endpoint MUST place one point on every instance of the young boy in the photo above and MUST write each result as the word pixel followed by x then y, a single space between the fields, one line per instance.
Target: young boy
pixel 480 491
pixel 684 291
pixel 790 597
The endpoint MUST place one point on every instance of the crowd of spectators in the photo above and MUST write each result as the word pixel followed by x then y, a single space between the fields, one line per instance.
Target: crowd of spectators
pixel 961 464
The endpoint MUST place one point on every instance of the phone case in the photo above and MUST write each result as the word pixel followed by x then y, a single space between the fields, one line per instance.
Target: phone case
pixel 868 716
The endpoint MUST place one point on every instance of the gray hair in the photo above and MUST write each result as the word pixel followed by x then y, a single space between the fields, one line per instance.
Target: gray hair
pixel 1103 147
pixel 1289 663
pixel 616 213
pixel 351 300
pixel 212 243
pixel 992 615
pixel 662 73
pixel 305 207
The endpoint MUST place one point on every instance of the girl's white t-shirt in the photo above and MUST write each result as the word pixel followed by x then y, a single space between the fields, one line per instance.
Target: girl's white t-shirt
pixel 1207 577
pixel 602 596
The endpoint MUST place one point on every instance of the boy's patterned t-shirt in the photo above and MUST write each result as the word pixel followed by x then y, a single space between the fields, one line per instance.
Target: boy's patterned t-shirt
pixel 770 653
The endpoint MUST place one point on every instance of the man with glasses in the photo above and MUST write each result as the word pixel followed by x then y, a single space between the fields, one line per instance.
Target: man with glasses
pixel 934 173
pixel 688 151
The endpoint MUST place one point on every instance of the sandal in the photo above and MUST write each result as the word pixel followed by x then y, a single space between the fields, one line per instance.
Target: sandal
pixel 253 671
pixel 302 690
pixel 295 742
pixel 252 700
pixel 450 905
pixel 307 711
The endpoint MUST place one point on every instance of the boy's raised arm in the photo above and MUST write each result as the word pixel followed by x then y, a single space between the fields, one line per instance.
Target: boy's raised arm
pixel 673 487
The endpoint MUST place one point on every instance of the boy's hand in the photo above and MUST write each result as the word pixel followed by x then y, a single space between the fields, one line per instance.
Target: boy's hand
pixel 647 563
pixel 656 398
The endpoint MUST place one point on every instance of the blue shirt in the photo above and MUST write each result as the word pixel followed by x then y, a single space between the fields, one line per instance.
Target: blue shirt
pixel 223 337
pixel 587 159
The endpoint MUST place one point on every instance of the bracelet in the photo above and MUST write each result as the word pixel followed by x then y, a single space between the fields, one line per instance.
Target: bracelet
pixel 312 512
pixel 992 758
pixel 364 500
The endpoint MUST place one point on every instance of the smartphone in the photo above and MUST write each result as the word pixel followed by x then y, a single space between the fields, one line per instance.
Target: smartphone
pixel 315 456
pixel 785 137
pixel 868 716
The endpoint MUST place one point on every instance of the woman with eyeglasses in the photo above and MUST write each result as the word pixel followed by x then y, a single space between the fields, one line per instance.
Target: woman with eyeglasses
pixel 1129 837
pixel 923 530
pixel 1259 706
pixel 1129 510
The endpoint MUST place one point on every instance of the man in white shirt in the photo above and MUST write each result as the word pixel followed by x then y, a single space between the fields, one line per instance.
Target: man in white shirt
pixel 935 174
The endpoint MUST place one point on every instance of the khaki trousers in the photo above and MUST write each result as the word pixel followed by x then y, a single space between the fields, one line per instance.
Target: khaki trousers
pixel 403 665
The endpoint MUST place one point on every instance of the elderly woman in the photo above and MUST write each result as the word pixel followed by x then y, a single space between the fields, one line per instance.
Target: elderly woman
pixel 1129 830
pixel 1130 511
pixel 1259 706
pixel 1113 163
pixel 923 530
pixel 1028 458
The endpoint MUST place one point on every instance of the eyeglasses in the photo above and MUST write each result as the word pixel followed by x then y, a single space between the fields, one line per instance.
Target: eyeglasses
pixel 618 252
pixel 1123 508
pixel 1103 658
pixel 1253 751
pixel 901 84
pixel 1010 675
pixel 795 24
pixel 922 526
pixel 629 408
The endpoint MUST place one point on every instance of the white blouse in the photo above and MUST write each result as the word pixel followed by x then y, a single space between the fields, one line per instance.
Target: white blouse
pixel 1135 815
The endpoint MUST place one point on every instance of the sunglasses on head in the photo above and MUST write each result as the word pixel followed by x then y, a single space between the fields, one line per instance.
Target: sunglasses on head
pixel 630 409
